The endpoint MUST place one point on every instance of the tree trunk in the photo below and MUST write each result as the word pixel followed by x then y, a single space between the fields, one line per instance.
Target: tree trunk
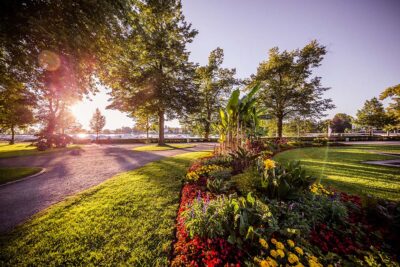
pixel 280 126
pixel 147 129
pixel 12 141
pixel 207 127
pixel 161 128
pixel 97 135
pixel 207 131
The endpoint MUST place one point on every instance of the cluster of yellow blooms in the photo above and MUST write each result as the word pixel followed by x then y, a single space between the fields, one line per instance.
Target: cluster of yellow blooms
pixel 269 164
pixel 319 189
pixel 279 255
pixel 193 176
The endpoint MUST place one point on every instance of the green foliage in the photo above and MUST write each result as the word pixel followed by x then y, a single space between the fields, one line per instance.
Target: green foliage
pixel 341 122
pixel 219 181
pixel 372 115
pixel 54 47
pixel 242 158
pixel 97 122
pixel 246 182
pixel 218 185
pixel 127 220
pixel 301 216
pixel 152 71
pixel 215 84
pixel 287 86
pixel 283 182
pixel 16 104
pixel 221 160
pixel 223 174
pixel 238 219
pixel 239 116
pixel 393 110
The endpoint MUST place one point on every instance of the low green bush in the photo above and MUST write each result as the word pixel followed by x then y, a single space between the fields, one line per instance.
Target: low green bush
pixel 282 182
pixel 238 219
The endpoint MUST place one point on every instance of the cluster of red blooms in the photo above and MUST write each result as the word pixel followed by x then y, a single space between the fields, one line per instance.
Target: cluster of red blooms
pixel 328 240
pixel 200 251
pixel 344 242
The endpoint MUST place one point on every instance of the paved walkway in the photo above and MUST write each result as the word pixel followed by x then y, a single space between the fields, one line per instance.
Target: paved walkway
pixel 67 174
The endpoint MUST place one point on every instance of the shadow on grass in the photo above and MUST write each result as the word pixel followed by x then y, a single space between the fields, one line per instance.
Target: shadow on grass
pixel 127 220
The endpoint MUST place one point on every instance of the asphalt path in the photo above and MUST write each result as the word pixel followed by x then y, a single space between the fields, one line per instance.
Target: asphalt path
pixel 67 173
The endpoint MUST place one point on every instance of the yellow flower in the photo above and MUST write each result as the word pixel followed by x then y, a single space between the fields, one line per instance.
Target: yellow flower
pixel 263 243
pixel 299 264
pixel 293 258
pixel 290 243
pixel 264 263
pixel 272 262
pixel 273 253
pixel 313 263
pixel 269 164
pixel 279 245
pixel 281 253
pixel 313 258
pixel 299 250
pixel 273 241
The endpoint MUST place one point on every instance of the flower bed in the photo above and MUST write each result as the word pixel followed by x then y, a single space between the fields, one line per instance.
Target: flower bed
pixel 287 219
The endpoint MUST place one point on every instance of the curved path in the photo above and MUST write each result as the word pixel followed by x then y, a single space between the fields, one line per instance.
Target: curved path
pixel 69 173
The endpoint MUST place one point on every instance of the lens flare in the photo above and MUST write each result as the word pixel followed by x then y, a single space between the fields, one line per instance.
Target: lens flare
pixel 49 60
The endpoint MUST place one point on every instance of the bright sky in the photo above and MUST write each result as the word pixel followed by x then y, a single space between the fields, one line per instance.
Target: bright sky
pixel 362 37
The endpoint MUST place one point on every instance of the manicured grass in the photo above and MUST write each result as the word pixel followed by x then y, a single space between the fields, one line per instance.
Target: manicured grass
pixel 12 174
pixel 342 167
pixel 155 147
pixel 26 149
pixel 127 220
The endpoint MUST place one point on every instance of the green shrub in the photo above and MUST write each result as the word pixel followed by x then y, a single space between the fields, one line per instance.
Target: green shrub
pixel 246 182
pixel 221 160
pixel 218 186
pixel 238 219
pixel 282 182
pixel 222 174
pixel 300 216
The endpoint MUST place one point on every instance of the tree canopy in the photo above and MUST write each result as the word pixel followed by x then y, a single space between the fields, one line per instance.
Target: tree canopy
pixel 372 115
pixel 97 122
pixel 393 110
pixel 153 71
pixel 341 122
pixel 215 83
pixel 288 87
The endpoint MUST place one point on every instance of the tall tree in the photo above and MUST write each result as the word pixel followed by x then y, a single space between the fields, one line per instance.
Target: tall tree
pixel 372 115
pixel 393 110
pixel 15 108
pixel 153 71
pixel 340 122
pixel 97 122
pixel 288 86
pixel 215 85
pixel 145 122
pixel 53 46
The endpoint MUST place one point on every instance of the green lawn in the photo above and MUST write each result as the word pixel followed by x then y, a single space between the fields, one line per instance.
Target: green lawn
pixel 127 220
pixel 155 147
pixel 12 174
pixel 25 149
pixel 341 167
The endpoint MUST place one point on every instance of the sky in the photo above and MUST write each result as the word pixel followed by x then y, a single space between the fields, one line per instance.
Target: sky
pixel 362 39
